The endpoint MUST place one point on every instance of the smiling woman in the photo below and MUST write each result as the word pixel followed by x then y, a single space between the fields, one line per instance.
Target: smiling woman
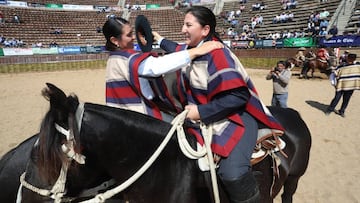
pixel 217 91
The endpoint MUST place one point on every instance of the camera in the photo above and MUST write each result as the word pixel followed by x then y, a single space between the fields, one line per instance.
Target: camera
pixel 276 69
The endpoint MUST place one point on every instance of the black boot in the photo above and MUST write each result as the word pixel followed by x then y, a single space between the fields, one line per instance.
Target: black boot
pixel 243 190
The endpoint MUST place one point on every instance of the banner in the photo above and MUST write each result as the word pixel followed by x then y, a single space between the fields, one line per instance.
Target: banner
pixel 3 2
pixel 56 6
pixel 17 51
pixel 94 49
pixel 78 7
pixel 69 50
pixel 299 42
pixel 239 44
pixel 36 5
pixel 1 52
pixel 38 50
pixel 17 3
pixel 152 6
pixel 341 41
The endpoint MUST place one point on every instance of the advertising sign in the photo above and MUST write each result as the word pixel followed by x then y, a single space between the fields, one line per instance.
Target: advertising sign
pixel 299 42
pixel 341 41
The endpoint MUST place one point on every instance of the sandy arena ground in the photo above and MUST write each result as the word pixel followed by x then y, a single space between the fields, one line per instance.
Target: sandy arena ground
pixel 334 168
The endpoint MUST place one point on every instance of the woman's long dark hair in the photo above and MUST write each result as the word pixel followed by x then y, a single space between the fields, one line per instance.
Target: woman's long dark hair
pixel 205 17
pixel 113 27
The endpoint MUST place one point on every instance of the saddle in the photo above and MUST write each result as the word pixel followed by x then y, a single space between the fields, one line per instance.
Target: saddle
pixel 268 142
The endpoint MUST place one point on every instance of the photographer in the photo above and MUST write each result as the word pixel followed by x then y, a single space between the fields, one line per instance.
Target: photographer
pixel 280 75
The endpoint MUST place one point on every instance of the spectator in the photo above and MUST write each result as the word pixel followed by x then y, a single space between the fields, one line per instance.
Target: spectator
pixel 323 32
pixel 256 6
pixel 53 44
pixel 276 19
pixel 98 29
pixel 280 75
pixel 324 14
pixel 7 43
pixel 2 39
pixel 2 19
pixel 16 19
pixel 334 30
pixel 283 17
pixel 262 6
pixel 242 7
pixel 290 16
pixel 324 23
pixel 292 4
pixel 259 19
pixel 20 43
pixel 58 31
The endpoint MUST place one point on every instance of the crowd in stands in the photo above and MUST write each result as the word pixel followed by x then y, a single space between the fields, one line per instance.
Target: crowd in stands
pixel 318 23
pixel 14 19
pixel 258 6
pixel 288 4
pixel 286 34
pixel 284 17
pixel 11 42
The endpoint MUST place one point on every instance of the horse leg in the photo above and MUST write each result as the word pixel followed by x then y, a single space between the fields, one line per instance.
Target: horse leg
pixel 289 188
pixel 312 73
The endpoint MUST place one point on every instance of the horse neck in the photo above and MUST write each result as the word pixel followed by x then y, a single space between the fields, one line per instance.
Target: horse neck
pixel 122 141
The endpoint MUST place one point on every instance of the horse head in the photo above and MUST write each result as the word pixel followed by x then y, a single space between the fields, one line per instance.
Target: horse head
pixel 50 155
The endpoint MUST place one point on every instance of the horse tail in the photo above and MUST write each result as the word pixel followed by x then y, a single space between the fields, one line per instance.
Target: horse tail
pixel 50 156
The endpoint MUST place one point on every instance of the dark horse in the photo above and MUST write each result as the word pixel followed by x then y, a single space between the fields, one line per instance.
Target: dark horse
pixel 117 142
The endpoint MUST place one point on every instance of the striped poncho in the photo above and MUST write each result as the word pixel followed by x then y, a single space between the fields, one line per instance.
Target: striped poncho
pixel 215 73
pixel 348 78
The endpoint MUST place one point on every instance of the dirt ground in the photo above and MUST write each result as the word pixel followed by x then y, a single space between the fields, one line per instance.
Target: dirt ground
pixel 334 167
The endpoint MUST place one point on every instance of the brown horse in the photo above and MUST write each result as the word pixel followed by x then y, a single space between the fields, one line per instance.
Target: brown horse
pixel 322 65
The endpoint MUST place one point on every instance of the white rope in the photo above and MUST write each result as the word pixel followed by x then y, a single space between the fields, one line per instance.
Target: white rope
pixel 100 198
pixel 57 191
pixel 185 147
pixel 207 135
pixel 188 151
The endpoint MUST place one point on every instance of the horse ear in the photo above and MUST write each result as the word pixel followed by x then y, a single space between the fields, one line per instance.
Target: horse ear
pixel 55 95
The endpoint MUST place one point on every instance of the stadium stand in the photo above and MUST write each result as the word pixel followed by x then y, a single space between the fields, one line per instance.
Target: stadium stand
pixel 353 25
pixel 81 2
pixel 299 22
pixel 79 28
pixel 167 22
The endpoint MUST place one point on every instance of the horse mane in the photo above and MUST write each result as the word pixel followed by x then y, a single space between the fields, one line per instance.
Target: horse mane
pixel 50 156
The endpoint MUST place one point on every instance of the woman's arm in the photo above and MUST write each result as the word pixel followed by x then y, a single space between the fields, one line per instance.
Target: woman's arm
pixel 220 107
pixel 156 66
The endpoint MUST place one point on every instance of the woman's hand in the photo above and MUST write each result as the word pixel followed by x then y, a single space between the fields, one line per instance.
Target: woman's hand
pixel 156 35
pixel 193 113
pixel 208 46
pixel 205 48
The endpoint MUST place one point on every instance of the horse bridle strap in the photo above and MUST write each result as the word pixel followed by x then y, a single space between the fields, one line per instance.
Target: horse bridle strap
pixel 57 191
